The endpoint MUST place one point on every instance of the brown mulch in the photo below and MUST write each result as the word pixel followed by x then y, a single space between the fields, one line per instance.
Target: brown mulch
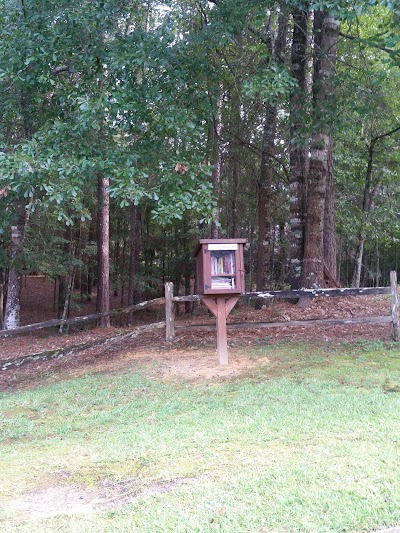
pixel 37 305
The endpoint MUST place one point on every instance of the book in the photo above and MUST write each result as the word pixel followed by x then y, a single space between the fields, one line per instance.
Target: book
pixel 222 263
pixel 222 283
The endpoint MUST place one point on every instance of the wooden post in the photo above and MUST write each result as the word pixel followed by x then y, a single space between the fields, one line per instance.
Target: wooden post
pixel 222 338
pixel 169 312
pixel 220 306
pixel 394 305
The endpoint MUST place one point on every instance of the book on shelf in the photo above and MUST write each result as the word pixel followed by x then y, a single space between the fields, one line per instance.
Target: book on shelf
pixel 223 263
pixel 222 283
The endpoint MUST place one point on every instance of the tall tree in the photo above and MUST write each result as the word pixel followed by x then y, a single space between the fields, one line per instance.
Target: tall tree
pixel 298 145
pixel 326 31
pixel 103 250
pixel 276 43
pixel 371 190
pixel 14 285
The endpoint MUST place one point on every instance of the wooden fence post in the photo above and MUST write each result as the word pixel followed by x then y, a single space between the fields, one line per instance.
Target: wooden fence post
pixel 169 312
pixel 222 338
pixel 394 305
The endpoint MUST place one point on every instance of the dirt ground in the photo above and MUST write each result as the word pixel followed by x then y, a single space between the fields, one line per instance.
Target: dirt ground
pixel 192 354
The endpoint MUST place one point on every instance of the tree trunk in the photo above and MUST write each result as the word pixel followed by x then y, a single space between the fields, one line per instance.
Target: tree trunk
pixel 64 279
pixel 330 242
pixel 123 273
pixel 83 243
pixel 368 201
pixel 14 285
pixel 265 194
pixel 235 159
pixel 326 29
pixel 14 282
pixel 134 245
pixel 62 292
pixel 117 262
pixel 1 298
pixel 313 267
pixel 103 250
pixel 297 147
pixel 69 286
pixel 370 193
pixel 217 161
pixel 265 197
pixel 90 260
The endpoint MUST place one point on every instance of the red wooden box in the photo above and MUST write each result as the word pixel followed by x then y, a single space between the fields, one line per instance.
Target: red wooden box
pixel 220 266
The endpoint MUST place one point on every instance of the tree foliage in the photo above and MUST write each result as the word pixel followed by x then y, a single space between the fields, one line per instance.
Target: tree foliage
pixel 132 89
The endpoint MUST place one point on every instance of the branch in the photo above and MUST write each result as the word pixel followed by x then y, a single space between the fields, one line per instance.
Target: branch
pixel 243 142
pixel 62 68
pixel 387 134
pixel 203 13
pixel 257 150
pixel 23 8
pixel 352 38
pixel 262 36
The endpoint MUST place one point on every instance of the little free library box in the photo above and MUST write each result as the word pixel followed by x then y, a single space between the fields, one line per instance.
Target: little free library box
pixel 220 282
pixel 220 266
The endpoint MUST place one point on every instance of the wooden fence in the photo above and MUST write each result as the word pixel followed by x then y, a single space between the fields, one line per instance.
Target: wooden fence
pixel 77 319
pixel 392 318
pixel 170 301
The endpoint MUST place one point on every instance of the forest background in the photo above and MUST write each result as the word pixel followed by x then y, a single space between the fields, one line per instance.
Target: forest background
pixel 130 129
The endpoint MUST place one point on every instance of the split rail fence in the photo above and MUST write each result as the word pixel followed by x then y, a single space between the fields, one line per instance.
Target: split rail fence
pixel 78 319
pixel 392 318
pixel 171 300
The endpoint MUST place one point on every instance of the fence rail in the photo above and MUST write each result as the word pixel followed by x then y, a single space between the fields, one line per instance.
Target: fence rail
pixel 301 293
pixel 171 300
pixel 385 319
pixel 77 319
pixel 392 318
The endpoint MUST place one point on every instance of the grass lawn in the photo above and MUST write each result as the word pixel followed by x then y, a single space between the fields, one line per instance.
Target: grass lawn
pixel 307 440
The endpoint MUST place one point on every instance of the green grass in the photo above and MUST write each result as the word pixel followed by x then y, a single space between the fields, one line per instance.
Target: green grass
pixel 308 441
